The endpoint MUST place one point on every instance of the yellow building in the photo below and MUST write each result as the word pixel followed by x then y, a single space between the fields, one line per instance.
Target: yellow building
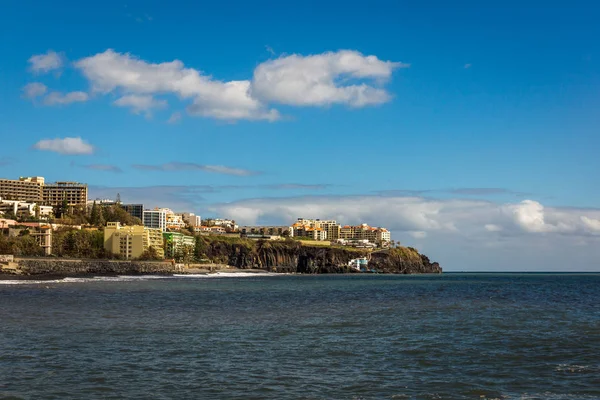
pixel 365 232
pixel 131 241
pixel 307 231
pixel 331 227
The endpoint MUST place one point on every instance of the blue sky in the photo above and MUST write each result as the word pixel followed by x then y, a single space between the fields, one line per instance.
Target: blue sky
pixel 470 130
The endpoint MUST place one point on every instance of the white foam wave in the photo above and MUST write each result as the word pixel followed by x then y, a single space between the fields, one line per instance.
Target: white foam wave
pixel 28 282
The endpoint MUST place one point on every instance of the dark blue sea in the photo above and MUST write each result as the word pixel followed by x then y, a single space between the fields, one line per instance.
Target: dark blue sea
pixel 451 336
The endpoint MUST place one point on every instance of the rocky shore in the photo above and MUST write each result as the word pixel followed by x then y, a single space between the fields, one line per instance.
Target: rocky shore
pixel 223 255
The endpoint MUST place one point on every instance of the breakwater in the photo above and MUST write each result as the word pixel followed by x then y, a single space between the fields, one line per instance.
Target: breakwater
pixel 67 267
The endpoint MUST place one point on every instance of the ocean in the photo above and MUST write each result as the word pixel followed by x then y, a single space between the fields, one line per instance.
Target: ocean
pixel 449 336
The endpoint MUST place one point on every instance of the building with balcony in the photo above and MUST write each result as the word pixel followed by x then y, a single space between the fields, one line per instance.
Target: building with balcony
pixel 54 194
pixel 177 243
pixel 131 242
pixel 156 219
pixel 28 189
pixel 379 236
pixel 306 231
pixel 24 209
pixel 330 226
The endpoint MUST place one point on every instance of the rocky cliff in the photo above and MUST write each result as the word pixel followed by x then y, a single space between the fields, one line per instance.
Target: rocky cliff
pixel 293 256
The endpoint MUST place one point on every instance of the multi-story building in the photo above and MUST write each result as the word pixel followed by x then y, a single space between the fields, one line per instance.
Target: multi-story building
pixel 131 241
pixel 156 219
pixel 266 230
pixel 307 231
pixel 330 226
pixel 174 221
pixel 24 209
pixel 365 232
pixel 135 210
pixel 27 189
pixel 192 219
pixel 176 242
pixel 42 233
pixel 54 194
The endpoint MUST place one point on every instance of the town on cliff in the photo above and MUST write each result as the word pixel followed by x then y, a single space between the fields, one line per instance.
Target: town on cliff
pixel 58 221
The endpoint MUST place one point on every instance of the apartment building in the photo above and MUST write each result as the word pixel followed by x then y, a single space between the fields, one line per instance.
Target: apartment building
pixel 131 241
pixel 174 221
pixel 24 209
pixel 176 242
pixel 307 231
pixel 75 193
pixel 365 232
pixel 330 226
pixel 28 189
pixel 156 219
pixel 135 210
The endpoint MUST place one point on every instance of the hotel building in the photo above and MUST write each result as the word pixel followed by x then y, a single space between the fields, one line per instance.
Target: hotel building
pixel 27 189
pixel 131 241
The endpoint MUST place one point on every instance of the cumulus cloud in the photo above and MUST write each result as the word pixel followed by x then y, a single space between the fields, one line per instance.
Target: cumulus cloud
pixel 323 79
pixel 420 216
pixel 57 98
pixel 111 71
pixel 33 90
pixel 43 63
pixel 140 103
pixel 68 145
pixel 182 166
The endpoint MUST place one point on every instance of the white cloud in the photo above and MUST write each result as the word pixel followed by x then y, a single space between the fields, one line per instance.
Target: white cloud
pixel 34 89
pixel 591 223
pixel 317 80
pixel 43 63
pixel 187 166
pixel 492 228
pixel 140 103
pixel 68 145
pixel 323 79
pixel 418 216
pixel 57 98
pixel 467 66
pixel 111 71
pixel 175 118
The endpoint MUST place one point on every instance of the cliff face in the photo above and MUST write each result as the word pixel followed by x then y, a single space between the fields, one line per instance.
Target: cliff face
pixel 292 256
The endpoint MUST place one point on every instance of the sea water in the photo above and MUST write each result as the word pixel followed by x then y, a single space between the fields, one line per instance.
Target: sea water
pixel 450 336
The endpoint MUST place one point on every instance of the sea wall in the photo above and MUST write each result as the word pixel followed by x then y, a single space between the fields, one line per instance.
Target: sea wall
pixel 65 267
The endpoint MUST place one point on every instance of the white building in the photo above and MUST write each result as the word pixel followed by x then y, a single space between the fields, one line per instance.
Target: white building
pixel 24 209
pixel 156 219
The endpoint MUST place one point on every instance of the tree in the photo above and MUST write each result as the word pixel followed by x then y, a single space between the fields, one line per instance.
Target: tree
pixel 151 254
pixel 94 214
